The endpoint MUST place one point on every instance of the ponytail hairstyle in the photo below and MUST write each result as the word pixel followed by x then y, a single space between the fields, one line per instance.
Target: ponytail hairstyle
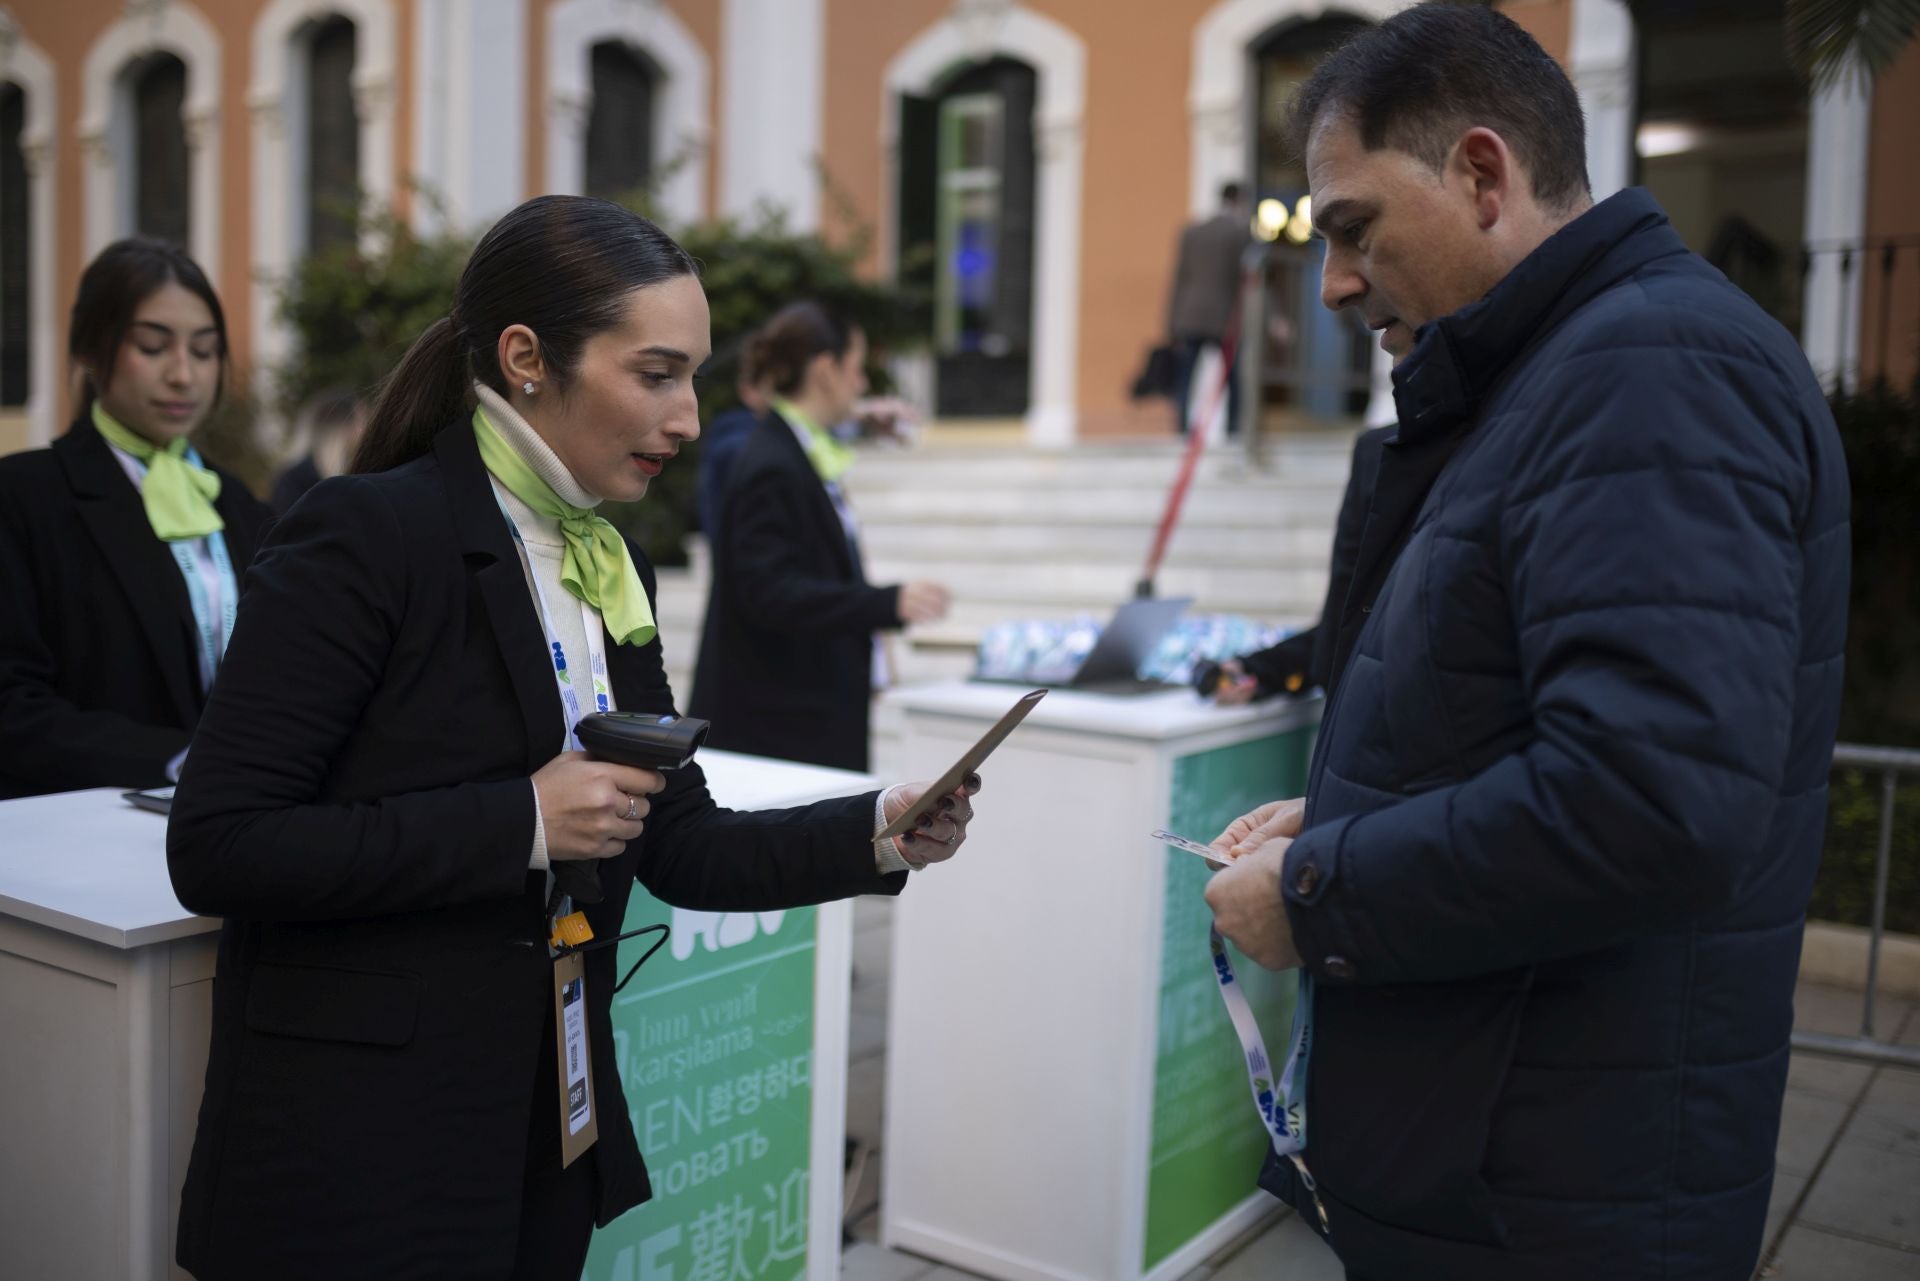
pixel 560 265
pixel 780 351
pixel 112 288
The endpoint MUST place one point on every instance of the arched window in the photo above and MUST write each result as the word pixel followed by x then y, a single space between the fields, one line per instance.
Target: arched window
pixel 966 213
pixel 16 330
pixel 620 124
pixel 333 135
pixel 1318 363
pixel 161 206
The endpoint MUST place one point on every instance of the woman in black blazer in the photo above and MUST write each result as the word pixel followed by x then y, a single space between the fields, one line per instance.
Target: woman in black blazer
pixel 380 787
pixel 789 657
pixel 120 558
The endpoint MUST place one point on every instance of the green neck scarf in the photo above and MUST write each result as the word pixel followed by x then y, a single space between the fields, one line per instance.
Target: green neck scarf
pixel 829 457
pixel 178 493
pixel 596 566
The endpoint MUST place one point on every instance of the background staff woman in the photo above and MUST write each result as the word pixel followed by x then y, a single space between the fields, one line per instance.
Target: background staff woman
pixel 788 655
pixel 380 787
pixel 120 547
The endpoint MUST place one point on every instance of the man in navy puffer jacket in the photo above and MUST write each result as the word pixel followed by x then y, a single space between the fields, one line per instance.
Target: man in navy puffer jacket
pixel 1567 802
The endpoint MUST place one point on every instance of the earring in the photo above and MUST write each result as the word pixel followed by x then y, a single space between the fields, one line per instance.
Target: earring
pixel 527 387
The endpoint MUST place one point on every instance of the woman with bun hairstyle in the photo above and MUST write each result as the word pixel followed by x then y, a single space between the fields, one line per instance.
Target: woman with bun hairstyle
pixel 789 655
pixel 387 779
pixel 121 549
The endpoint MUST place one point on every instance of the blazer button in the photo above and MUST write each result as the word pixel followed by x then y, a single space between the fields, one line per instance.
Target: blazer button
pixel 1306 881
pixel 1339 967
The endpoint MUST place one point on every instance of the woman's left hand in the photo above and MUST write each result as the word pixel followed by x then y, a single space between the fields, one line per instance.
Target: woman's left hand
pixel 941 831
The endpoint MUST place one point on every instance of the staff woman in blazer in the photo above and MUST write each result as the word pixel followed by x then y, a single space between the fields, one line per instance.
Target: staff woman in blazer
pixel 120 548
pixel 381 785
pixel 789 659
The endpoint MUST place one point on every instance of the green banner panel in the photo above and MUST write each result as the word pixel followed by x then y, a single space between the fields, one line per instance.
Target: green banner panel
pixel 1207 1138
pixel 715 1044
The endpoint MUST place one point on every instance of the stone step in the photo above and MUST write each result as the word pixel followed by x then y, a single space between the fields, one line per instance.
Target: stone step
pixel 1216 589
pixel 1301 505
pixel 1302 547
pixel 1155 465
pixel 985 595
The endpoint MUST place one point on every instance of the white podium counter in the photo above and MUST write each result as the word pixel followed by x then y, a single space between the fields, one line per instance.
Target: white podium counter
pixel 734 1039
pixel 1066 1100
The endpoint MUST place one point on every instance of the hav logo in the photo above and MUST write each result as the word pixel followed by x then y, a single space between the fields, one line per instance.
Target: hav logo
pixel 719 930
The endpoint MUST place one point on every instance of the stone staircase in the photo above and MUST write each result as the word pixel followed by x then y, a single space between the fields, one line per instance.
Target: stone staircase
pixel 1019 533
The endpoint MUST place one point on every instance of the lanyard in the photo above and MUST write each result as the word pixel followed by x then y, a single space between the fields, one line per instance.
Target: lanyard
pixel 212 590
pixel 1282 1105
pixel 208 581
pixel 596 646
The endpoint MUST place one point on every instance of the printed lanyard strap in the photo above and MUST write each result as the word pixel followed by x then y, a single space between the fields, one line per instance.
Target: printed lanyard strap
pixel 596 646
pixel 212 633
pixel 1282 1104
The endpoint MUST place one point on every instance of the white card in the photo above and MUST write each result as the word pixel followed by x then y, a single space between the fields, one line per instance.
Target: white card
pixel 1206 852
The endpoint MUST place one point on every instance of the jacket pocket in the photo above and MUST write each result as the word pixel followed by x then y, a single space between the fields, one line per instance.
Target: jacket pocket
pixel 320 1004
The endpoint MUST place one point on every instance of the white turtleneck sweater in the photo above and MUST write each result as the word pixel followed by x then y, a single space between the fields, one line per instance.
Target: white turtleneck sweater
pixel 545 547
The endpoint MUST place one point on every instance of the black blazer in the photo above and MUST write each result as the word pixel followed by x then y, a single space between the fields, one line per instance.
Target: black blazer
pixel 786 656
pixel 99 656
pixel 358 806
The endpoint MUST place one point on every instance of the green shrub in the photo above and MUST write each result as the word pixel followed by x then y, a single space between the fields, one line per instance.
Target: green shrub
pixel 354 313
pixel 1880 430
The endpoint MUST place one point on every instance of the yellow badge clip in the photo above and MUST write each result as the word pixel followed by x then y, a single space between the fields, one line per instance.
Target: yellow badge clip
pixel 572 930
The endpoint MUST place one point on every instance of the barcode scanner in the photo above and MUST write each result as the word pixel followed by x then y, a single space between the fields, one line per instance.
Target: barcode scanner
pixel 644 740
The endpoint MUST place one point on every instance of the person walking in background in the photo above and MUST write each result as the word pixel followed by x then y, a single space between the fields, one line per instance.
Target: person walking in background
pixel 723 438
pixel 1206 281
pixel 789 656
pixel 121 549
pixel 331 423
pixel 1566 805
pixel 1305 660
pixel 382 787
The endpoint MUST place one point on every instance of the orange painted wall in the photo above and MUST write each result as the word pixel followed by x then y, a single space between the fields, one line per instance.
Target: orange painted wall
pixel 1134 176
pixel 1548 21
pixel 66 34
pixel 1893 210
pixel 1136 162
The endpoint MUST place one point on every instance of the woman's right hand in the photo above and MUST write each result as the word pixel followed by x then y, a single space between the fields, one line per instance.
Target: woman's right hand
pixel 589 808
pixel 1236 687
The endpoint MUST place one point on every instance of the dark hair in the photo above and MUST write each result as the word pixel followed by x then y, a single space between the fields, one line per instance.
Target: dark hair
pixel 1428 74
pixel 1230 192
pixel 780 350
pixel 560 265
pixel 113 286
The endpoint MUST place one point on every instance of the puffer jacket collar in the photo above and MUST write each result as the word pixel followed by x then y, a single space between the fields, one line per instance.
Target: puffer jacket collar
pixel 1459 357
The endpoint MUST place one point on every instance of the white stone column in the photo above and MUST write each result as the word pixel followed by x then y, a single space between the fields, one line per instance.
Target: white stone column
pixel 771 115
pixel 1837 136
pixel 1053 379
pixel 469 119
pixel 1602 58
pixel 203 174
pixel 273 209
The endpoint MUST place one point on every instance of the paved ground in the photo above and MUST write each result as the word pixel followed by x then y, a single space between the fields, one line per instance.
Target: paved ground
pixel 1846 1198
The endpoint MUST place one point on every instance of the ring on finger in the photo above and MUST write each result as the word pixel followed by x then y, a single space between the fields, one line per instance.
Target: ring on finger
pixel 953 839
pixel 633 808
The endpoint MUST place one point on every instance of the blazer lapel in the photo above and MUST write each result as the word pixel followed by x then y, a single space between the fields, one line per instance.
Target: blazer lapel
pixel 116 520
pixel 481 531
pixel 819 503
